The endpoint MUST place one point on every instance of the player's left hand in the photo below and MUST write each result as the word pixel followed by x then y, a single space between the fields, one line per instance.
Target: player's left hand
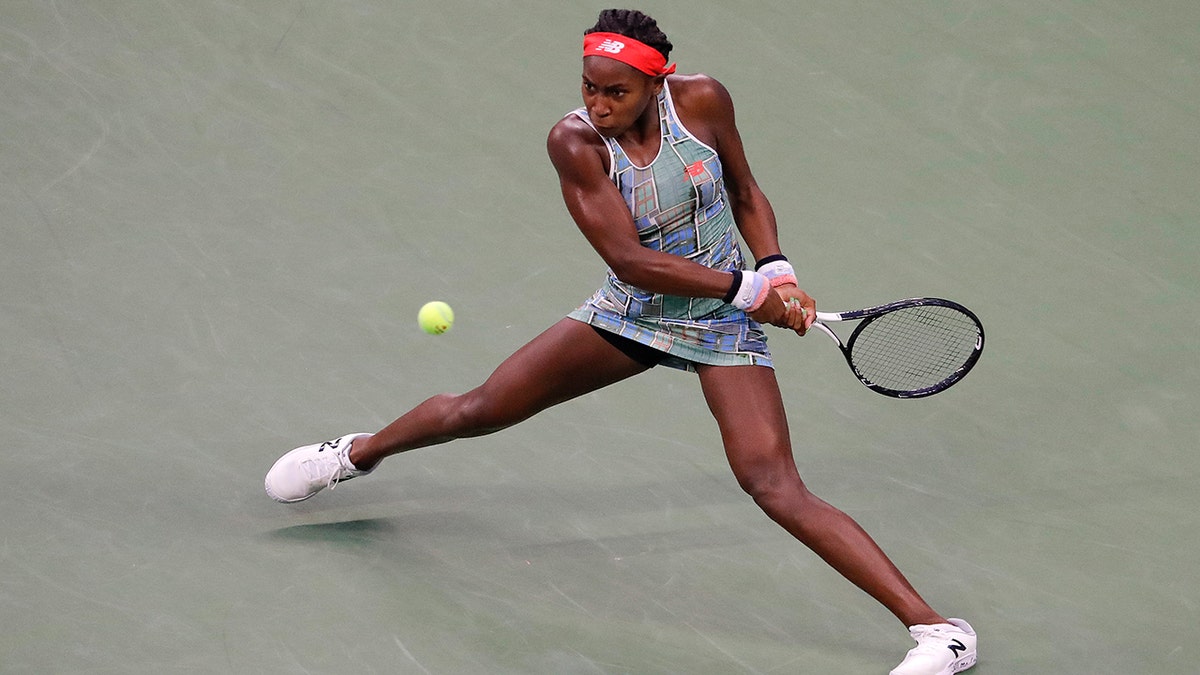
pixel 801 308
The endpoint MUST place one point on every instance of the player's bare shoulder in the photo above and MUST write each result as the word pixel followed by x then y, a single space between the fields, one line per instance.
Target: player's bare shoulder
pixel 699 92
pixel 571 141
pixel 703 103
pixel 572 132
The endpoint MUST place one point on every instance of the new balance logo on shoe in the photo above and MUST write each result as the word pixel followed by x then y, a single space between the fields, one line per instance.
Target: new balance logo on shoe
pixel 930 656
pixel 330 445
pixel 610 46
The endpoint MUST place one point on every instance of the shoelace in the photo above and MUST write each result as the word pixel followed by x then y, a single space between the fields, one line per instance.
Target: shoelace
pixel 326 462
pixel 930 639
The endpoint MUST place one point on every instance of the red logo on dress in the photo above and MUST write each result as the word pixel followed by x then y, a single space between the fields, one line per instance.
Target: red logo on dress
pixel 695 169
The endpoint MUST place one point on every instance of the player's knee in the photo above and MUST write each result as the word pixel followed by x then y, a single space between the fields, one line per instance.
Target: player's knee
pixel 771 481
pixel 761 464
pixel 476 413
pixel 770 486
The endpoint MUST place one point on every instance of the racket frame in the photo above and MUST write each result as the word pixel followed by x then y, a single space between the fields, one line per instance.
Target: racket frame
pixel 870 314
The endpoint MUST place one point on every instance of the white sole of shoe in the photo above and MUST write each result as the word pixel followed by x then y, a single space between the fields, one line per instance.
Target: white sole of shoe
pixel 281 500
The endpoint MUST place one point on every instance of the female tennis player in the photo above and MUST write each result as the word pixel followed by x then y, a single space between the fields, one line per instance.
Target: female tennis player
pixel 653 172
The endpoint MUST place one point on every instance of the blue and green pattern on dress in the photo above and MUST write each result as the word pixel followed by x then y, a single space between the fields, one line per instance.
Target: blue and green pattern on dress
pixel 679 206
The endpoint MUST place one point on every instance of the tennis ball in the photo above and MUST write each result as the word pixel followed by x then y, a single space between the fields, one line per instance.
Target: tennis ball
pixel 435 317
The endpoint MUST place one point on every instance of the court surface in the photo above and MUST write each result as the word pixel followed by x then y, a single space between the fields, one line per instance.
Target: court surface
pixel 218 220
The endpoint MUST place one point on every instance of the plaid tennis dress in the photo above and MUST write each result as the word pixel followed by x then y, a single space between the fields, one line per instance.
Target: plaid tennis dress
pixel 680 207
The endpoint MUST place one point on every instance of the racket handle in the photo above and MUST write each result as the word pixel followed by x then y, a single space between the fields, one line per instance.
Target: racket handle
pixel 826 330
pixel 821 316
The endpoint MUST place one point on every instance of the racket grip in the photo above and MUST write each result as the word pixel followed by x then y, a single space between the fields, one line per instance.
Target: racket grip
pixel 792 302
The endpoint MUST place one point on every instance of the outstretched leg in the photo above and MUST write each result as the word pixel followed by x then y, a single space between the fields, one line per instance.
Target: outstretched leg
pixel 566 361
pixel 746 403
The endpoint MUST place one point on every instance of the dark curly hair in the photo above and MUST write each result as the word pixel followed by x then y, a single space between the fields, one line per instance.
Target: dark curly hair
pixel 633 24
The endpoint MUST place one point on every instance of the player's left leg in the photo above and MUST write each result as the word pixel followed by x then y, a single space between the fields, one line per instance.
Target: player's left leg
pixel 749 410
pixel 747 405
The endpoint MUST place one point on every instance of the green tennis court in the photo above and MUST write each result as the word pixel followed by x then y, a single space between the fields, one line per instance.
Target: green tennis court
pixel 218 221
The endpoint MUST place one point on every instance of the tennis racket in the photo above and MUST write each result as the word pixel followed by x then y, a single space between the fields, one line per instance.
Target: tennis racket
pixel 909 348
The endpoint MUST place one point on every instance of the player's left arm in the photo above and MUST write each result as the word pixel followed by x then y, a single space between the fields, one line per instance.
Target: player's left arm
pixel 755 218
pixel 752 211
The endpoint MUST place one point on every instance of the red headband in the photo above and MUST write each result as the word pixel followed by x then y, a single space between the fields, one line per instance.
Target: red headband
pixel 628 51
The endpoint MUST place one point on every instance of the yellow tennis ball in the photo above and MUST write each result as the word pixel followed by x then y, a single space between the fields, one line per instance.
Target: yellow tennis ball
pixel 435 317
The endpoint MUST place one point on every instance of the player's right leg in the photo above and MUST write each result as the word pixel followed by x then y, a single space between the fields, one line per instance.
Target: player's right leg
pixel 566 361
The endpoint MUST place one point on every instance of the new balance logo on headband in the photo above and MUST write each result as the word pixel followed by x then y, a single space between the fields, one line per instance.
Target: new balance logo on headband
pixel 627 50
pixel 610 46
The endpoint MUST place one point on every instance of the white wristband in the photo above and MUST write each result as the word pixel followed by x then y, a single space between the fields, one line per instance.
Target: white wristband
pixel 780 272
pixel 751 293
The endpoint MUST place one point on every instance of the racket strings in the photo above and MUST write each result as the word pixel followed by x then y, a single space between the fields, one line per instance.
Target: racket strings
pixel 914 347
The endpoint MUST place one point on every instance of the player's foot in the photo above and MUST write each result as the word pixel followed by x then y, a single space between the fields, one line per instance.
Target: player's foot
pixel 942 649
pixel 307 470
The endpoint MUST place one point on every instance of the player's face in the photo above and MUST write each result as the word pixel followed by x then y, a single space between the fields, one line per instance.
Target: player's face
pixel 616 95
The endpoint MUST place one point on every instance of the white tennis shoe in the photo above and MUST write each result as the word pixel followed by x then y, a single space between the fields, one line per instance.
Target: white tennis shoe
pixel 942 649
pixel 307 470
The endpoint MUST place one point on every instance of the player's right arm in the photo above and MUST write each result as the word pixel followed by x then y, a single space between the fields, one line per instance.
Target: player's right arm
pixel 595 204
